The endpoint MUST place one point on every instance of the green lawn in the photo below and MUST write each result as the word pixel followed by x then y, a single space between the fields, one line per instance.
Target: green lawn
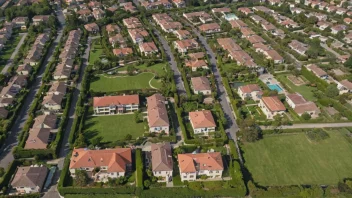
pixel 290 159
pixel 9 48
pixel 140 81
pixel 98 195
pixel 96 51
pixel 158 68
pixel 305 91
pixel 112 128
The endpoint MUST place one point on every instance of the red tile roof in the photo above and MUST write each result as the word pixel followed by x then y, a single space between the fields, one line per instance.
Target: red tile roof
pixel 190 163
pixel 115 100
pixel 273 103
pixel 202 119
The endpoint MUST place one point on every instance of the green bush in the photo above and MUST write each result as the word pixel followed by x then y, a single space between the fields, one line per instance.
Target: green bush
pixel 139 168
pixel 321 84
pixel 317 135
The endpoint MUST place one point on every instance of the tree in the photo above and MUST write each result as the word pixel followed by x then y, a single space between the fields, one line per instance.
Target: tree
pixel 2 171
pixel 348 62
pixel 130 69
pixel 80 141
pixel 81 179
pixel 138 117
pixel 332 91
pixel 250 131
pixel 128 137
pixel 306 116
pixel 96 141
pixel 296 72
pixel 146 183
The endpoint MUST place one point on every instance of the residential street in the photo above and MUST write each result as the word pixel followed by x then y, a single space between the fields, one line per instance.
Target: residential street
pixel 9 62
pixel 171 59
pixel 64 150
pixel 6 156
pixel 310 126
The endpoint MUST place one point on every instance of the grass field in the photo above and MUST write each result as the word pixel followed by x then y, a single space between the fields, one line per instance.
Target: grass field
pixel 99 195
pixel 304 90
pixel 291 159
pixel 96 51
pixel 140 81
pixel 112 128
pixel 158 68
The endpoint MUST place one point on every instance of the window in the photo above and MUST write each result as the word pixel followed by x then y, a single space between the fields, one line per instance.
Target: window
pixel 159 172
pixel 185 176
pixel 191 176
pixel 217 171
pixel 210 171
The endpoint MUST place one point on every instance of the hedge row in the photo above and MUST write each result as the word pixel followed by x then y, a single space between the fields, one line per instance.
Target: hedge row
pixel 337 105
pixel 139 168
pixel 321 84
pixel 96 190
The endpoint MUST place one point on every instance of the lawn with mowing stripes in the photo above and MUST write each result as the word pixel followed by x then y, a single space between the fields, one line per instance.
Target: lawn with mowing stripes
pixel 304 90
pixel 112 128
pixel 110 84
pixel 291 159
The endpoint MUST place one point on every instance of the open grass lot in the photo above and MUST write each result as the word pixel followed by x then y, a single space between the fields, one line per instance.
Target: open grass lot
pixel 304 90
pixel 112 128
pixel 98 195
pixel 289 159
pixel 157 68
pixel 140 81
pixel 96 51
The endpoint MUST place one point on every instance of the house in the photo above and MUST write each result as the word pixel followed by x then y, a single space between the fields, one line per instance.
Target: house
pixel 317 71
pixel 38 19
pixel 344 86
pixel 221 10
pixel 84 14
pixel 148 48
pixel 202 122
pixel 268 26
pixel 29 179
pixel 322 25
pixel 111 163
pixel 298 47
pixel 137 35
pixel 118 40
pixel 166 22
pixel 183 46
pixel 156 4
pixel 129 7
pixel 157 117
pixel 331 8
pixel 39 138
pixel 94 4
pixel 20 22
pixel 237 23
pixel 242 58
pixel 275 2
pixel 347 20
pixel 196 55
pixel 338 28
pixel 179 3
pixel 201 16
pixel 62 72
pixel 19 81
pixel 295 10
pixel 210 28
pixel 5 102
pixel 341 11
pixel 162 163
pixel 53 102
pixel 201 85
pixel 271 106
pixel 251 91
pixel 45 121
pixel 228 44
pixel 191 166
pixel 98 13
pixel 92 28
pixel 245 10
pixel 255 39
pixel 196 64
pixel 132 22
pixel 257 19
pixel 3 113
pixel 121 52
pixel 10 91
pixel 348 38
pixel 57 87
pixel 263 9
pixel 300 105
pixel 246 32
pixel 182 34
pixel 24 69
pixel 268 52
pixel 115 104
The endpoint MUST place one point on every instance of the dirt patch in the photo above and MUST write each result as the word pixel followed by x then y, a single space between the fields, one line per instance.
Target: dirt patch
pixel 298 81
pixel 331 111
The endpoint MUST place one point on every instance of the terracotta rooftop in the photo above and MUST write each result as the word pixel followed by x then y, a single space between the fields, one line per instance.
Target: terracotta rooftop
pixel 250 88
pixel 209 26
pixel 115 100
pixel 317 70
pixel 190 163
pixel 157 112
pixel 200 83
pixel 202 119
pixel 273 103
pixel 115 160
pixel 196 63
pixel 161 157
pixel 346 83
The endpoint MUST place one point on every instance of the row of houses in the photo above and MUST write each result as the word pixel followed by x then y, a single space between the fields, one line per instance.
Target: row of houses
pixel 328 7
pixel 5 34
pixel 138 36
pixel 36 52
pixel 272 106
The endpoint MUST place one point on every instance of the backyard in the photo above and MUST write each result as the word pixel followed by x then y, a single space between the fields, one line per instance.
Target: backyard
pixel 9 48
pixel 291 159
pixel 112 128
pixel 95 52
pixel 157 68
pixel 103 83
pixel 304 90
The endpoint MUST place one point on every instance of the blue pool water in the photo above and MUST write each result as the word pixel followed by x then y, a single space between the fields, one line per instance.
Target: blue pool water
pixel 275 87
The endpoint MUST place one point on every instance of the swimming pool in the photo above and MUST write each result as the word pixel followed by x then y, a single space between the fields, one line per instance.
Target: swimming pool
pixel 275 87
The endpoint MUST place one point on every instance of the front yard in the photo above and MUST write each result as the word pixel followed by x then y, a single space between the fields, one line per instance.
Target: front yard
pixel 113 127
pixel 291 159
pixel 102 83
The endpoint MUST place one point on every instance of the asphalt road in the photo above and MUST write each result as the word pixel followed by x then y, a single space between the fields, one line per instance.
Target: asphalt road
pixel 171 59
pixel 64 150
pixel 6 156
pixel 9 62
